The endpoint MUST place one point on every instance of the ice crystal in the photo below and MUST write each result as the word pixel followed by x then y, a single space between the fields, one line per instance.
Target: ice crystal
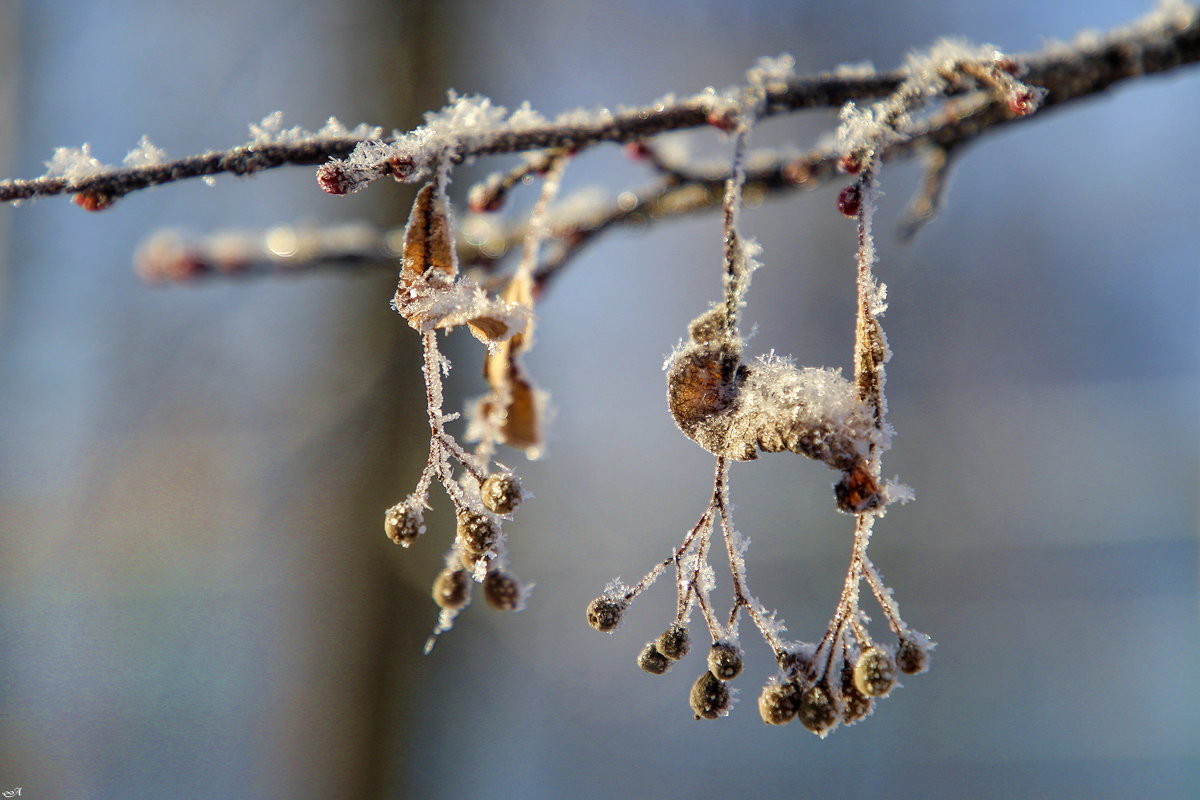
pixel 74 164
pixel 145 154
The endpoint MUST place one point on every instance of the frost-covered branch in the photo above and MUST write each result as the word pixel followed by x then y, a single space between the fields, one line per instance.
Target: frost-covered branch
pixel 1164 40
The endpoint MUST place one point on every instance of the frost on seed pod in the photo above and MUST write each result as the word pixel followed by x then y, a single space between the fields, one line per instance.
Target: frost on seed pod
pixel 604 613
pixel 501 493
pixel 404 522
pixel 855 704
pixel 736 410
pixel 452 588
pixel 502 591
pixel 817 711
pixel 652 661
pixel 477 531
pixel 725 660
pixel 674 642
pixel 710 697
pixel 875 672
pixel 778 703
pixel 912 657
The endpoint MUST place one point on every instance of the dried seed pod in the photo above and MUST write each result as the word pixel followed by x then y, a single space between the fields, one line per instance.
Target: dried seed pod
pixel 778 703
pixel 708 327
pixel 858 491
pixel 674 642
pixel 875 672
pixel 702 387
pixel 710 697
pixel 817 711
pixel 477 531
pixel 912 658
pixel 733 409
pixel 452 588
pixel 501 493
pixel 652 661
pixel 502 591
pixel 404 522
pixel 855 704
pixel 604 613
pixel 725 660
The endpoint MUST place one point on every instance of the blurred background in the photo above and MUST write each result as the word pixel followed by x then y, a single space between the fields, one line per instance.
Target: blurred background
pixel 196 596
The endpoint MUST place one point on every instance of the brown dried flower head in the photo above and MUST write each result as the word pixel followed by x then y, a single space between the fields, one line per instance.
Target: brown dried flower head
pixel 817 711
pixel 652 661
pixel 778 703
pixel 404 522
pixel 875 672
pixel 452 588
pixel 501 493
pixel 912 657
pixel 604 613
pixel 725 660
pixel 478 532
pixel 710 697
pixel 855 705
pixel 674 642
pixel 502 591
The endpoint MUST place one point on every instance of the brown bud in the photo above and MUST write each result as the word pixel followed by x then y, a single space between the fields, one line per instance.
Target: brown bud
pixel 404 522
pixel 674 642
pixel 851 163
pixel 333 178
pixel 817 711
pixel 849 200
pixel 875 672
pixel 778 703
pixel 710 697
pixel 452 588
pixel 501 493
pixel 725 121
pixel 652 661
pixel 92 200
pixel 604 613
pixel 478 532
pixel 725 660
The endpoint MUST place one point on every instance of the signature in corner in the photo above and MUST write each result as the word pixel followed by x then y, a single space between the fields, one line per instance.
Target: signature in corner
pixel 12 792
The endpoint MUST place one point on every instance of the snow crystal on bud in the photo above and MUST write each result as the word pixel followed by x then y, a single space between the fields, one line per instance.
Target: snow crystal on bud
pixel 769 72
pixel 74 164
pixel 145 154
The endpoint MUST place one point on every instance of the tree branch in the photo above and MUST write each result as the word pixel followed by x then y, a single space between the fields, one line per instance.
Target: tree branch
pixel 1160 42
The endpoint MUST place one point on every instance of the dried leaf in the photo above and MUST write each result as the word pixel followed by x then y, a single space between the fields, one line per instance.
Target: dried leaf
pixel 428 237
